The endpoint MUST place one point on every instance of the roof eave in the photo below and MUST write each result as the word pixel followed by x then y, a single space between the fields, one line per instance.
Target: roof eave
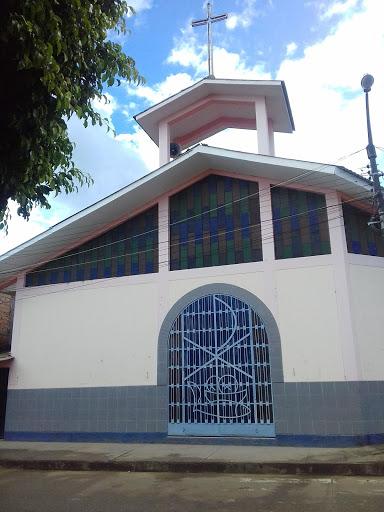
pixel 146 189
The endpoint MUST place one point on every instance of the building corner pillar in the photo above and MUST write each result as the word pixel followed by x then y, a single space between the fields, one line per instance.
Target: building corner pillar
pixel 271 138
pixel 268 246
pixel 262 126
pixel 348 340
pixel 164 143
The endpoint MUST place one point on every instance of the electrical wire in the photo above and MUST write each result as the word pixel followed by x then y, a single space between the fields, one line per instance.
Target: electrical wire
pixel 267 240
pixel 166 242
pixel 208 236
pixel 363 197
pixel 260 193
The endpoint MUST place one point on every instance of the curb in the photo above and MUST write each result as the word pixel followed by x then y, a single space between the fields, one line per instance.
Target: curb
pixel 275 468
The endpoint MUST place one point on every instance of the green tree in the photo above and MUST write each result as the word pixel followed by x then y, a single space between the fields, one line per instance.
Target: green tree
pixel 55 57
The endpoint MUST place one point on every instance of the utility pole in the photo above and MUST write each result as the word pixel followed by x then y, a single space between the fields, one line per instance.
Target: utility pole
pixel 366 84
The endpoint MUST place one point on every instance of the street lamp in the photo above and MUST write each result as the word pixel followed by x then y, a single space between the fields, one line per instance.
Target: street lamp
pixel 366 84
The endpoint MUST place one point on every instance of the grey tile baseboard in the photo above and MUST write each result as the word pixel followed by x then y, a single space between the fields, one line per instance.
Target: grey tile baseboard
pixel 301 409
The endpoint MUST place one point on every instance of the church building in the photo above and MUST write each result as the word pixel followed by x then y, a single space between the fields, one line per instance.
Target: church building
pixel 225 295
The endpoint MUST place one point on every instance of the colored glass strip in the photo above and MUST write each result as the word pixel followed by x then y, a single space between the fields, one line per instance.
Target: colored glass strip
pixel 300 223
pixel 361 238
pixel 215 221
pixel 128 249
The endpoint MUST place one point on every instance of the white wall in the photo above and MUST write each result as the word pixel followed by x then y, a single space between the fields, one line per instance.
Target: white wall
pixel 367 299
pixel 105 333
pixel 308 323
pixel 87 336
pixel 306 314
pixel 251 281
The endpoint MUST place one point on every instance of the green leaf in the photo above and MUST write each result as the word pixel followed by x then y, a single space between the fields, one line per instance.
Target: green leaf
pixel 52 77
pixel 49 50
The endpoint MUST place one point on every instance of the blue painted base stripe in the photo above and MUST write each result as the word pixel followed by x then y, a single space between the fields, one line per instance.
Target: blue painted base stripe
pixel 87 437
pixel 160 437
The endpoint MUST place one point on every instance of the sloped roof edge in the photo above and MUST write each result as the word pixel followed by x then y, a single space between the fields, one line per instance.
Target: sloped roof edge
pixel 145 189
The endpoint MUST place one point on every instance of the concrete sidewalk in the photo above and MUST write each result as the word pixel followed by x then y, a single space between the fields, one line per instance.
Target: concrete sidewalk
pixel 359 461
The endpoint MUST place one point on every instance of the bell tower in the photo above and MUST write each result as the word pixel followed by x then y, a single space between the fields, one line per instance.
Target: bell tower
pixel 213 105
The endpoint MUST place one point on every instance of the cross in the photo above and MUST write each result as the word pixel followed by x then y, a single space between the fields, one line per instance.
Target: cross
pixel 208 21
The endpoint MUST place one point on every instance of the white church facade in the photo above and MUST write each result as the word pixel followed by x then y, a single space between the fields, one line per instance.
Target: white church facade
pixel 224 295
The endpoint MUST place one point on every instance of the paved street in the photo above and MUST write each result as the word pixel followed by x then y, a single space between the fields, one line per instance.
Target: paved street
pixel 68 491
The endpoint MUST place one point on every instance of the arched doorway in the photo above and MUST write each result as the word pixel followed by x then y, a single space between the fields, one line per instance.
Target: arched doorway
pixel 219 366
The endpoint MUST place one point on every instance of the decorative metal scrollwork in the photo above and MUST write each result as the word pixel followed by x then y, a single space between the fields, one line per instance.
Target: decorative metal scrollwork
pixel 219 370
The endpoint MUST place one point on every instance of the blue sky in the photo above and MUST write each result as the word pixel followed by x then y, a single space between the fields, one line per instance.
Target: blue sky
pixel 320 48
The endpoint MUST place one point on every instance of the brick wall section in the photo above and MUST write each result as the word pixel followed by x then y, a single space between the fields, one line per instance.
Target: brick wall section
pixel 5 319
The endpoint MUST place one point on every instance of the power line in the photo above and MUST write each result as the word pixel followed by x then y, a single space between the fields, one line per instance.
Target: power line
pixel 90 282
pixel 260 193
pixel 321 166
pixel 143 234
pixel 167 241
pixel 158 246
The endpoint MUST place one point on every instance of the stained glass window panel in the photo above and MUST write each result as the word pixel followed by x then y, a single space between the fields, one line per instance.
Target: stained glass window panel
pixel 215 221
pixel 300 223
pixel 361 239
pixel 128 249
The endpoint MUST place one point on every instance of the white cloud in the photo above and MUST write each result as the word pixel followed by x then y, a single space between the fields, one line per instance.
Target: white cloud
pixel 339 8
pixel 140 5
pixel 108 160
pixel 105 108
pixel 325 94
pixel 291 48
pixel 143 146
pixel 232 65
pixel 129 110
pixel 111 162
pixel 251 9
pixel 232 21
pixel 20 230
pixel 162 90
pixel 186 52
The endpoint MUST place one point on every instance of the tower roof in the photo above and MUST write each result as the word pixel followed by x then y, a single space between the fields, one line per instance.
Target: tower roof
pixel 212 105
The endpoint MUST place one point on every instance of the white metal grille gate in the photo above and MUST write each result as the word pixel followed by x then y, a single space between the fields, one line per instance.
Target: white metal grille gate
pixel 219 370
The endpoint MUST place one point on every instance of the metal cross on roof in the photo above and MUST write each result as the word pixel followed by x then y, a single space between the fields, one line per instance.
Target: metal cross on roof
pixel 208 21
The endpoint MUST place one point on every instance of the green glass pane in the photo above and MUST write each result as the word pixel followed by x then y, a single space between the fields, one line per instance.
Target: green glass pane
pixel 214 253
pixel 183 257
pixel 247 254
pixel 307 251
pixel 199 255
pixel 325 248
pixel 135 250
pixel 230 252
